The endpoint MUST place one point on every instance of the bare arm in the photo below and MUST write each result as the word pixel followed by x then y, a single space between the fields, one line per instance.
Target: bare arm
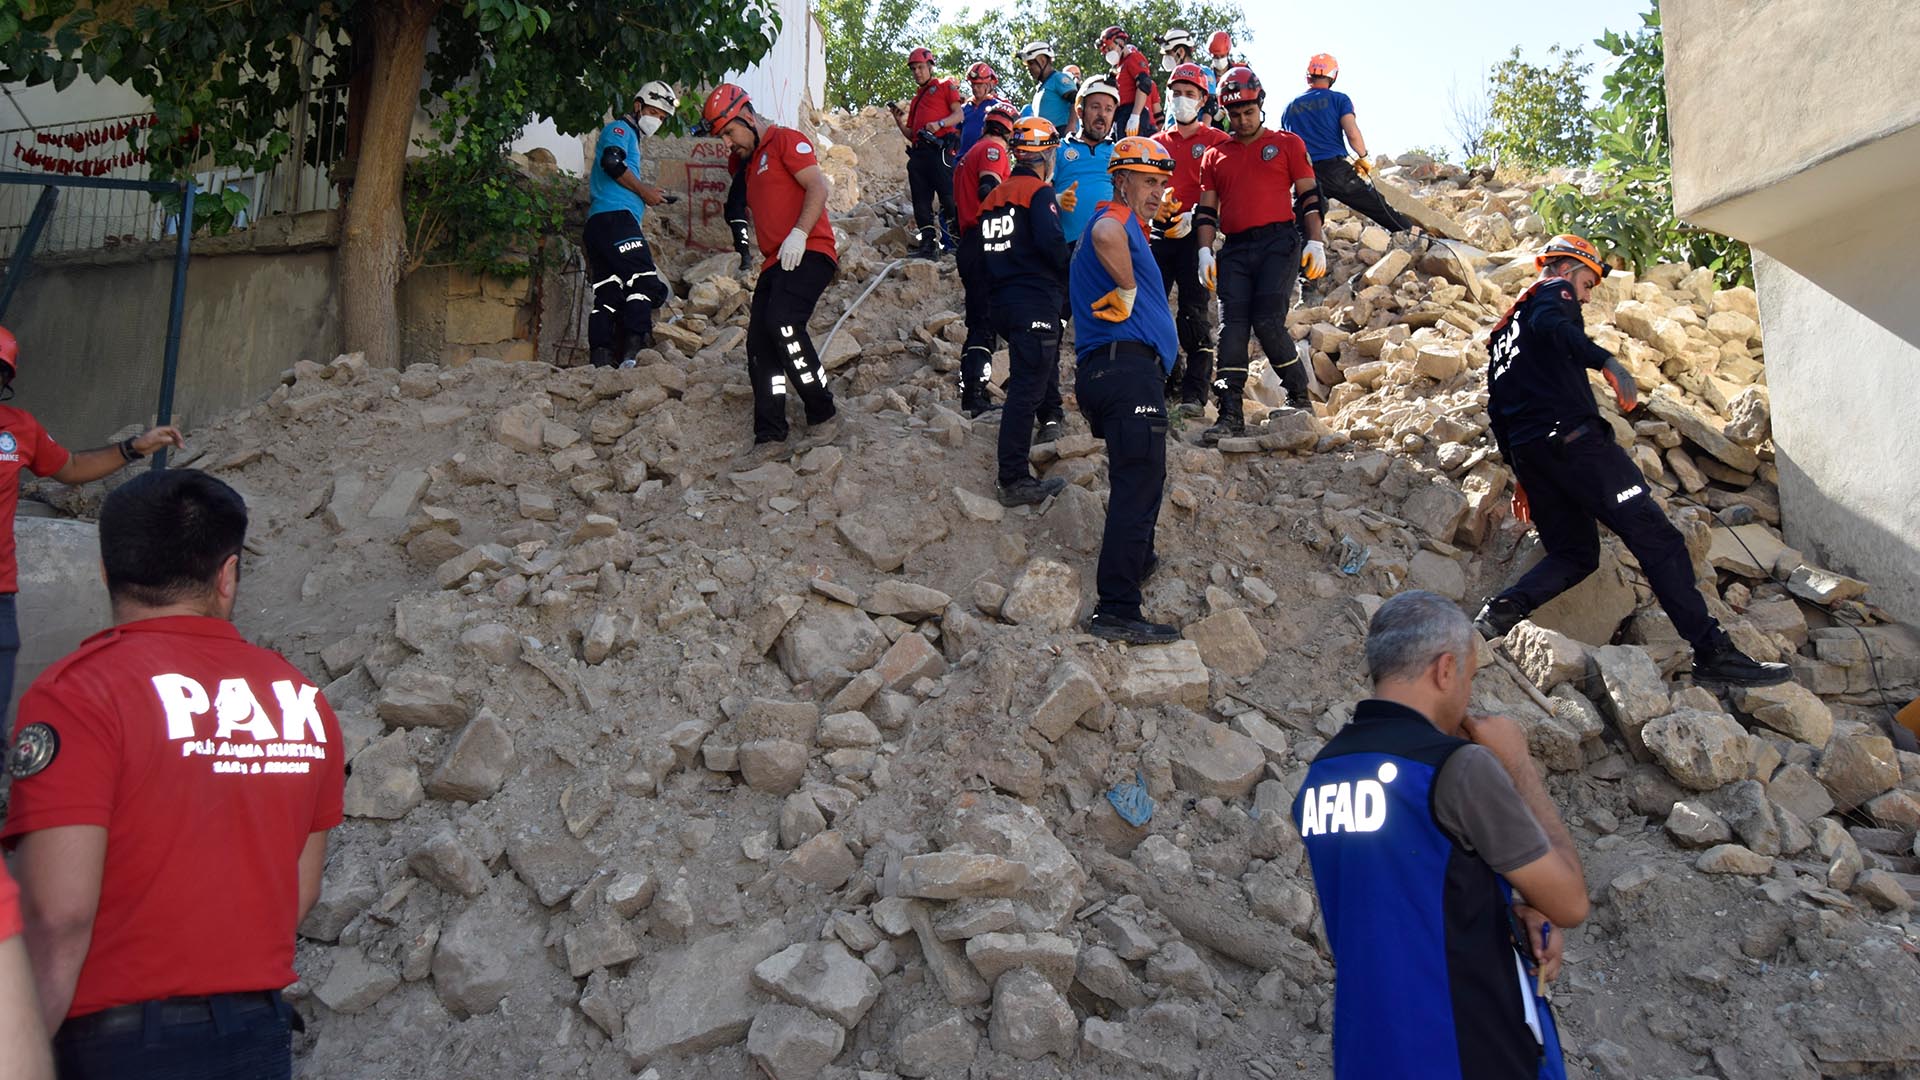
pixel 1312 221
pixel 956 118
pixel 1554 883
pixel 59 871
pixel 313 861
pixel 648 193
pixel 1354 139
pixel 818 187
pixel 1110 245
pixel 21 1029
pixel 85 466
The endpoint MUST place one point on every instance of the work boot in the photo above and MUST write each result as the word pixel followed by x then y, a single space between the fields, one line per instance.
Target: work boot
pixel 1722 663
pixel 602 357
pixel 761 453
pixel 1049 430
pixel 822 433
pixel 1227 427
pixel 929 248
pixel 1189 410
pixel 975 403
pixel 1497 616
pixel 1132 631
pixel 1028 491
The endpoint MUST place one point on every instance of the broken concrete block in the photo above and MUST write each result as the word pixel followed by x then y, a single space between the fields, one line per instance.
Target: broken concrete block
pixel 477 764
pixel 822 976
pixel 1046 595
pixel 1164 674
pixel 1228 643
pixel 1702 750
pixel 950 875
pixel 1071 693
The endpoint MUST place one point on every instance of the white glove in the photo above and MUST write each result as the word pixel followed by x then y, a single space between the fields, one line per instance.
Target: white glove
pixel 1180 226
pixel 1314 260
pixel 1209 273
pixel 792 248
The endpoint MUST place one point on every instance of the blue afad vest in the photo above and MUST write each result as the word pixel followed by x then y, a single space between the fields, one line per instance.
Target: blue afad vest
pixel 1151 323
pixel 1427 982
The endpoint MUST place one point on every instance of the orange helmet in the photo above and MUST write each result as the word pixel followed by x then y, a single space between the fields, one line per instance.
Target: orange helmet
pixel 1241 87
pixel 981 72
pixel 1034 134
pixel 722 107
pixel 1189 73
pixel 1137 153
pixel 9 352
pixel 1323 65
pixel 1569 246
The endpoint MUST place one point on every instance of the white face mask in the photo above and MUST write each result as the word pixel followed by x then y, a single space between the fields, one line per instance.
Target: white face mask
pixel 648 125
pixel 1168 61
pixel 1185 110
pixel 1112 56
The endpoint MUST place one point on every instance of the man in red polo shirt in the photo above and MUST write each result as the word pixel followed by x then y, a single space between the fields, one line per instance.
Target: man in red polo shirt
pixel 24 444
pixel 21 1030
pixel 931 124
pixel 1245 186
pixel 1175 248
pixel 987 163
pixel 172 791
pixel 786 194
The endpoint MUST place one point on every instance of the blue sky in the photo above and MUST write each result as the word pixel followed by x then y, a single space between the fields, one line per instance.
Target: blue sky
pixel 1398 58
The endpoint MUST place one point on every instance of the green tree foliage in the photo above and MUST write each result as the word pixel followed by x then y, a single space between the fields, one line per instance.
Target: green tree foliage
pixel 1538 112
pixel 866 44
pixel 1631 213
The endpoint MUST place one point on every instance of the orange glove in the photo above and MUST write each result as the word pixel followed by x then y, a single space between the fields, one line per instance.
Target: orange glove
pixel 1169 209
pixel 1068 199
pixel 1624 390
pixel 1363 168
pixel 1521 510
pixel 1115 306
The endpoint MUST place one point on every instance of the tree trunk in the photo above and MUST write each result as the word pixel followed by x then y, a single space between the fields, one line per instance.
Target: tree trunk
pixel 373 235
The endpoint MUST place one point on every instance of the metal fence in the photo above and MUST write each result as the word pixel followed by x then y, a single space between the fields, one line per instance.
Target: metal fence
pixel 91 218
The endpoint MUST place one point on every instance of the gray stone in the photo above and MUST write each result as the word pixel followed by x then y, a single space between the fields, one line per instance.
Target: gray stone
pixel 800 820
pixel 1071 693
pixel 1437 573
pixel 932 1042
pixel 826 637
pixel 1790 709
pixel 1178 967
pixel 1030 1018
pixel 1053 956
pixel 822 976
pixel 956 979
pixel 1212 759
pixel 1547 657
pixel 775 766
pixel 600 1004
pixel 1164 859
pixel 791 1043
pixel 906 600
pixel 1045 595
pixel 1883 890
pixel 1273 894
pixel 1695 824
pixel 849 728
pixel 550 861
pixel 629 892
pixel 1435 509
pixel 450 865
pixel 347 888
pixel 950 875
pixel 478 957
pixel 965 919
pixel 1855 768
pixel 599 943
pixel 478 762
pixel 355 983
pixel 1164 674
pixel 384 783
pixel 1076 519
pixel 1633 691
pixel 700 997
pixel 823 861
pixel 1835 845
pixel 1101 971
pixel 1794 788
pixel 1701 750
pixel 415 697
pixel 1745 807
pixel 1228 643
pixel 1732 859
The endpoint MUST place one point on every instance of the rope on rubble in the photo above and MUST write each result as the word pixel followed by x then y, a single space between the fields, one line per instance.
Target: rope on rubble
pixel 851 308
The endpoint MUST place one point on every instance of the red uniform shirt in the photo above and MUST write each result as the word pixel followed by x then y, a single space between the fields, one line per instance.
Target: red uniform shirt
pixel 208 761
pixel 23 444
pixel 9 905
pixel 1255 180
pixel 1133 64
pixel 932 104
pixel 1187 153
pixel 986 156
pixel 775 197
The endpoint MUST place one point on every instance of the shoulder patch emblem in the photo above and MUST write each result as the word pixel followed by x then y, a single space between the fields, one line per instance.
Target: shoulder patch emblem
pixel 620 131
pixel 1072 154
pixel 993 154
pixel 1269 152
pixel 33 750
pixel 8 444
pixel 1565 294
pixel 1199 149
pixel 803 146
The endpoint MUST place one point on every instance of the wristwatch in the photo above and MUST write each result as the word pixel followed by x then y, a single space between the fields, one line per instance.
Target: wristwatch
pixel 128 452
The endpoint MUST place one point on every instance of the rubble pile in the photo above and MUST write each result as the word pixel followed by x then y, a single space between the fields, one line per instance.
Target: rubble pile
pixel 667 768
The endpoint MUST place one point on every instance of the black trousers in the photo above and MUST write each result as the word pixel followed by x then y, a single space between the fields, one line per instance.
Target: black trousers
pixel 1257 269
pixel 1033 373
pixel 976 359
pixel 1122 391
pixel 1338 180
pixel 930 177
pixel 1179 262
pixel 1572 485
pixel 225 1035
pixel 626 285
pixel 780 354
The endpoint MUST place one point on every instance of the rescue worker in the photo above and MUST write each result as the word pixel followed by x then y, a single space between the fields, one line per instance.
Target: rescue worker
pixel 626 285
pixel 786 195
pixel 1025 250
pixel 172 790
pixel 1569 473
pixel 26 446
pixel 1083 158
pixel 1220 52
pixel 1126 345
pixel 1446 878
pixel 931 124
pixel 1178 47
pixel 1053 90
pixel 1175 248
pixel 986 91
pixel 984 167
pixel 1245 187
pixel 1132 75
pixel 1323 118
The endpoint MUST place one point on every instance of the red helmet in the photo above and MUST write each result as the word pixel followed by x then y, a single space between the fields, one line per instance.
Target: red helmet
pixel 1002 114
pixel 9 352
pixel 1189 73
pixel 1569 246
pixel 1242 87
pixel 982 72
pixel 722 107
pixel 921 55
pixel 1112 35
pixel 1220 44
pixel 1323 66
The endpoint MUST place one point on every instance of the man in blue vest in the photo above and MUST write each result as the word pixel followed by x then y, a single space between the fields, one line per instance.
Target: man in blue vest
pixel 986 91
pixel 1053 89
pixel 1126 343
pixel 626 286
pixel 1446 877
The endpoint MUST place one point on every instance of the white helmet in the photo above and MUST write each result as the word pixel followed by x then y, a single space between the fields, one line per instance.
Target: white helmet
pixel 1035 50
pixel 1175 38
pixel 1099 84
pixel 660 96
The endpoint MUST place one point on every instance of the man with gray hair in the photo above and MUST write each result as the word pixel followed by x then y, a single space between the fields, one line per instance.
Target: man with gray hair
pixel 1441 866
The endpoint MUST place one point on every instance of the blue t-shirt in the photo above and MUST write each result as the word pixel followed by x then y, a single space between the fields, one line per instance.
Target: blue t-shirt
pixel 606 191
pixel 1150 324
pixel 1315 117
pixel 974 117
pixel 1053 101
pixel 1077 162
